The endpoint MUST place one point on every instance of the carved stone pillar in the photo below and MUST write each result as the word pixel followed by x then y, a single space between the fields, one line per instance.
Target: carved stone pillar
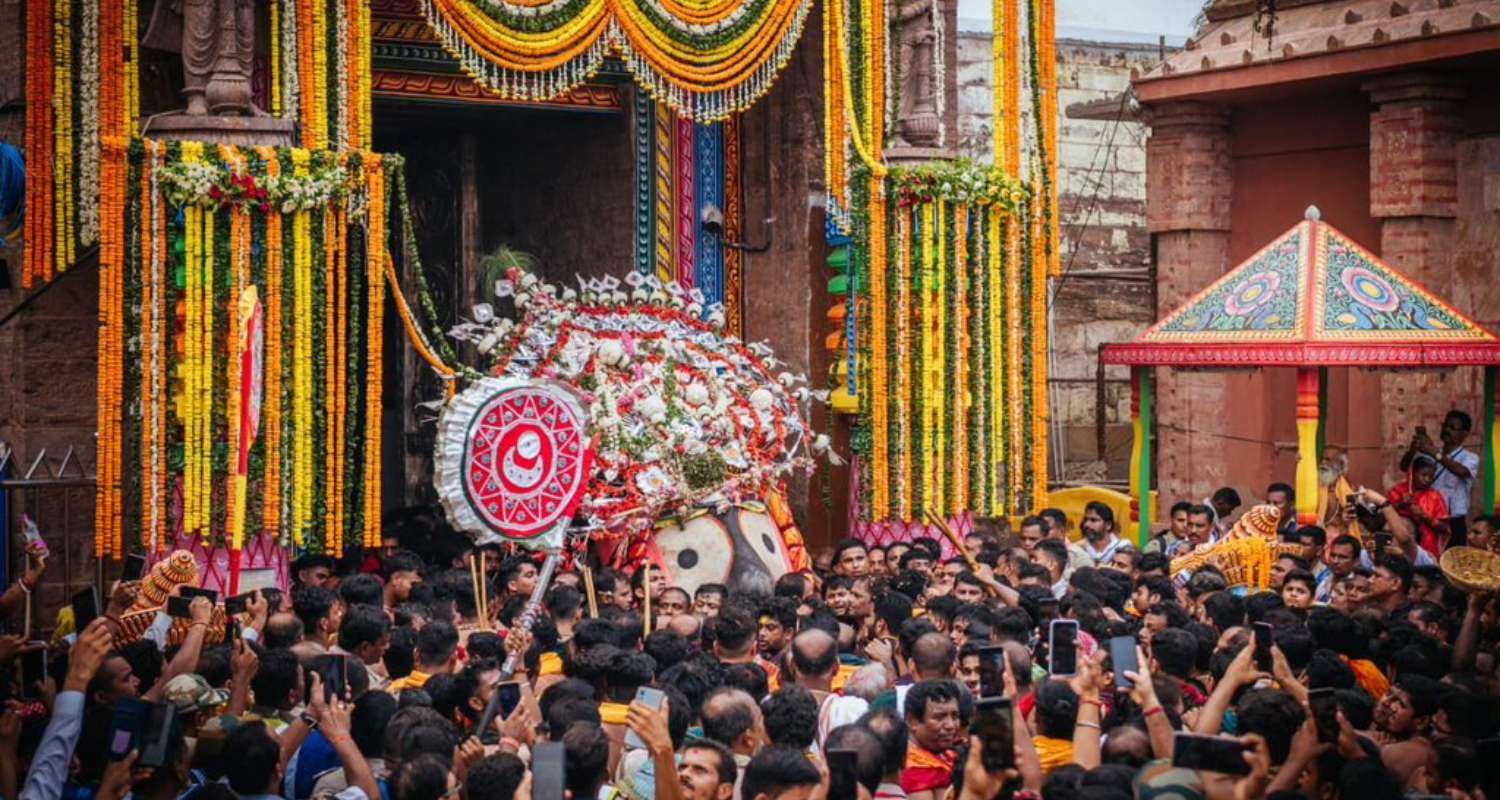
pixel 1414 134
pixel 1189 181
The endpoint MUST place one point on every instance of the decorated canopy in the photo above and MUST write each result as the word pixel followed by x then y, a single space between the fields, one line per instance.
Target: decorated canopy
pixel 1312 297
pixel 705 59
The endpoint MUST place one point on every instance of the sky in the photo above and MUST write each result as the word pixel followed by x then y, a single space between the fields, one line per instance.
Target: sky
pixel 1142 19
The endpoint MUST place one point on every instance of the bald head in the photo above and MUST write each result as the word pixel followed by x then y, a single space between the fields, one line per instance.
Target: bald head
pixel 732 717
pixel 815 657
pixel 686 625
pixel 1018 659
pixel 932 656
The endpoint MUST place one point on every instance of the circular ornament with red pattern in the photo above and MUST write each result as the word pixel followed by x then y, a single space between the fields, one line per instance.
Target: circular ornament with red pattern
pixel 512 460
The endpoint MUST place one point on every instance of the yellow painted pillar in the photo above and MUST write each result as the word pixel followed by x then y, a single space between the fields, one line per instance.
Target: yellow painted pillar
pixel 1307 445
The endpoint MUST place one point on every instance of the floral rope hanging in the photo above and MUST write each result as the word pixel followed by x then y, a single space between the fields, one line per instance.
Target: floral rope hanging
pixel 707 60
pixel 203 225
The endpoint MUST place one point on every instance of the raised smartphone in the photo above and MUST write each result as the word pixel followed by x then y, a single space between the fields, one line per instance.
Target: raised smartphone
pixel 1062 647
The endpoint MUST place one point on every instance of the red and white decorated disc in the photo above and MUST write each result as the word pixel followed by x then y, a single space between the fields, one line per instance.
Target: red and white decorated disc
pixel 523 459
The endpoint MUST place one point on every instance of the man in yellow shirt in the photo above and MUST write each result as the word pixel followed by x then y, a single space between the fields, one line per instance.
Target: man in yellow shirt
pixel 437 654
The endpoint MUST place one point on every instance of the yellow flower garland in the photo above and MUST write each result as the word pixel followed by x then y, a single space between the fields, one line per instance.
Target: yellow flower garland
pixel 938 397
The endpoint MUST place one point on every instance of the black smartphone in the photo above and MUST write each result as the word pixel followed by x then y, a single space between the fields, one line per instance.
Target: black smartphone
pixel 994 726
pixel 237 604
pixel 1263 660
pixel 547 771
pixel 1122 658
pixel 156 737
pixel 134 568
pixel 510 697
pixel 336 677
pixel 125 728
pixel 85 608
pixel 1210 754
pixel 992 670
pixel 1325 711
pixel 33 670
pixel 1062 647
pixel 843 773
pixel 193 591
pixel 1382 543
pixel 231 630
pixel 180 607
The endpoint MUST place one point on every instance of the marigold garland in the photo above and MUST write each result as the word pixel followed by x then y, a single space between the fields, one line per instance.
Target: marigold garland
pixel 707 60
pixel 227 209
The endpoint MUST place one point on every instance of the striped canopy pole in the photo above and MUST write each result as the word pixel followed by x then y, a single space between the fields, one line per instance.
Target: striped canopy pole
pixel 1491 466
pixel 1141 423
pixel 1309 423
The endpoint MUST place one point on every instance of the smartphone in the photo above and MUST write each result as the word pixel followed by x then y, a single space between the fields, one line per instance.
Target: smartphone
pixel 231 630
pixel 156 737
pixel 1325 711
pixel 85 608
pixel 33 670
pixel 1122 657
pixel 994 726
pixel 510 697
pixel 193 591
pixel 125 727
pixel 238 604
pixel 1209 753
pixel 843 773
pixel 135 567
pixel 651 697
pixel 1263 660
pixel 29 529
pixel 1382 543
pixel 547 771
pixel 180 607
pixel 992 670
pixel 336 677
pixel 1062 647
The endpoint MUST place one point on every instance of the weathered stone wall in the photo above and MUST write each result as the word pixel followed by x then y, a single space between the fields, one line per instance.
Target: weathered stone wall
pixel 1107 292
pixel 47 372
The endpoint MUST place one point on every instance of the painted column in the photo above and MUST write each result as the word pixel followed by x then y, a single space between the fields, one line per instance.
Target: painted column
pixel 1308 424
pixel 1141 402
pixel 1490 467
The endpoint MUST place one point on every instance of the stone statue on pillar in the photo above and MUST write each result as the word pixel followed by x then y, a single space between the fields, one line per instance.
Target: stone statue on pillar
pixel 216 39
pixel 926 46
pixel 917 118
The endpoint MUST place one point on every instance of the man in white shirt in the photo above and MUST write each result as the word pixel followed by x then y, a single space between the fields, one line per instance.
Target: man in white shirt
pixel 1099 539
pixel 1457 467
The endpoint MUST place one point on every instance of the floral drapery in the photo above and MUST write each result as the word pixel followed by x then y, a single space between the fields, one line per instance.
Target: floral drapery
pixel 705 58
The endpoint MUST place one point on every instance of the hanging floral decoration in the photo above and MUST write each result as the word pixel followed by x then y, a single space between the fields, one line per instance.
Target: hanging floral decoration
pixel 202 226
pixel 81 101
pixel 684 414
pixel 83 107
pixel 705 59
pixel 949 266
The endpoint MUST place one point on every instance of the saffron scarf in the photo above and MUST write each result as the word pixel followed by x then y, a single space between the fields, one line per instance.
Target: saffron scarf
pixel 926 770
pixel 1053 753
pixel 613 713
pixel 1368 676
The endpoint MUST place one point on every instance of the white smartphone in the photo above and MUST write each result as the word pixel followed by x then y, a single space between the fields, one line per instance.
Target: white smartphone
pixel 651 697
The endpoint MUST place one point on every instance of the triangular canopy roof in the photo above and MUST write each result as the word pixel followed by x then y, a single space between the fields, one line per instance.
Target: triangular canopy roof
pixel 1312 297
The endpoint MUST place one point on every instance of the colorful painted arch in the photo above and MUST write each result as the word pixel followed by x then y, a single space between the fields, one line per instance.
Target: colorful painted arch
pixel 1311 299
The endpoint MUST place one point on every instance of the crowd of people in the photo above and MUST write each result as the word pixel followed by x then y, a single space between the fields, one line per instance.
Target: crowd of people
pixel 866 677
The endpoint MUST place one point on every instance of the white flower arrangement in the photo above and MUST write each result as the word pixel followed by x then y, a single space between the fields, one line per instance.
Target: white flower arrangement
pixel 682 413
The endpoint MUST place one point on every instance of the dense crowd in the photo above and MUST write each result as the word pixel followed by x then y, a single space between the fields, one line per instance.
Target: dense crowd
pixel 1022 664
